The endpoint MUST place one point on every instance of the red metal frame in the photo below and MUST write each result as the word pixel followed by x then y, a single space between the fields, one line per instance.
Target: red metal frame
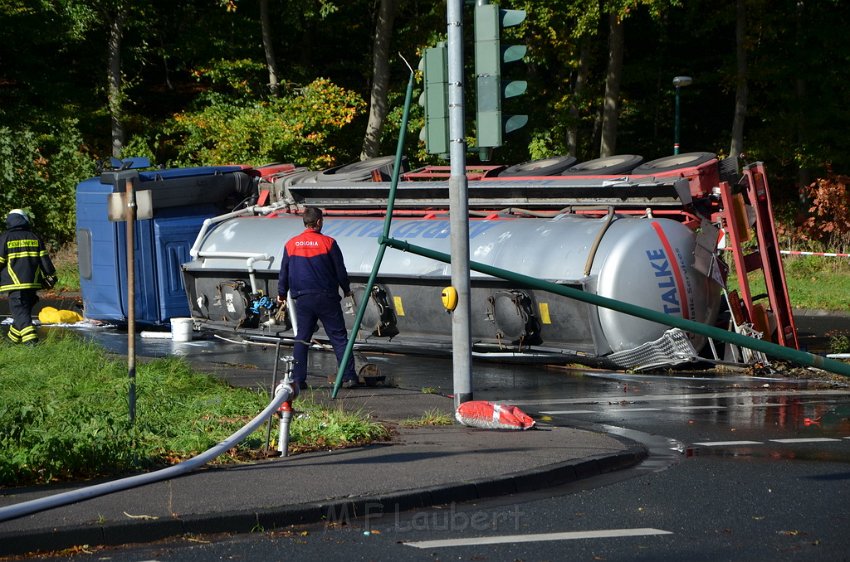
pixel 443 172
pixel 766 257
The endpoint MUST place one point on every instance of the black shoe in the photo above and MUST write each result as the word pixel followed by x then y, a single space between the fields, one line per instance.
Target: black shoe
pixel 352 383
pixel 302 385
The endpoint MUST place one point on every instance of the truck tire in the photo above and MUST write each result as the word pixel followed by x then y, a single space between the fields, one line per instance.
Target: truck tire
pixel 359 171
pixel 669 163
pixel 543 167
pixel 607 166
pixel 300 178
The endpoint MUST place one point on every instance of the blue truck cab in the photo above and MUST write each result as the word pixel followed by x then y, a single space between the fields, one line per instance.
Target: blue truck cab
pixel 181 200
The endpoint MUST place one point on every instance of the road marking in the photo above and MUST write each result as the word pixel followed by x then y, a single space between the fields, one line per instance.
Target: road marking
pixel 728 443
pixel 566 536
pixel 564 412
pixel 758 394
pixel 697 407
pixel 617 410
pixel 806 440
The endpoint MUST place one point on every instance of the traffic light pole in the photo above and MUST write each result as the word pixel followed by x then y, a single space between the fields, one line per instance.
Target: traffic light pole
pixel 458 209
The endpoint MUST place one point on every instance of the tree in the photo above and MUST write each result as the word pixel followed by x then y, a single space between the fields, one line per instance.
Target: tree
pixel 737 144
pixel 614 75
pixel 268 47
pixel 380 79
pixel 115 89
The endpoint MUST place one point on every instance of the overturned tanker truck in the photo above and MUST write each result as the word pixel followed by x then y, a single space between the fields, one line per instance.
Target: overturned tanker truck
pixel 641 233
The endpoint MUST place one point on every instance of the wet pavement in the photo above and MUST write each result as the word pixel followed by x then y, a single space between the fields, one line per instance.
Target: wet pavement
pixel 589 421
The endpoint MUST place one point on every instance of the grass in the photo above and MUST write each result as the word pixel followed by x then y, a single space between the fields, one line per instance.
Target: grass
pixel 431 417
pixel 67 272
pixel 814 282
pixel 64 415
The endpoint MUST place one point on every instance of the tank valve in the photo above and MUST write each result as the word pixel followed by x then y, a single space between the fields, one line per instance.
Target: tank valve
pixel 449 296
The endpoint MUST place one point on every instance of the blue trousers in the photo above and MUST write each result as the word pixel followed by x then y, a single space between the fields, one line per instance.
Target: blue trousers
pixel 309 309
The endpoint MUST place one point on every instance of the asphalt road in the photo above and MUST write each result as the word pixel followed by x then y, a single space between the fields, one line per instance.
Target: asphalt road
pixel 741 468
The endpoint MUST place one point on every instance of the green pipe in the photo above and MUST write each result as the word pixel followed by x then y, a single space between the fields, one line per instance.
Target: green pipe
pixel 361 309
pixel 772 349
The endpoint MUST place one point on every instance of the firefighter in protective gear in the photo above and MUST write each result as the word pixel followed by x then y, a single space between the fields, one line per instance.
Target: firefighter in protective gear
pixel 24 266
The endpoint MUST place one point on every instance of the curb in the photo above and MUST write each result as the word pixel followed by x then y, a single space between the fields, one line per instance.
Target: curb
pixel 330 510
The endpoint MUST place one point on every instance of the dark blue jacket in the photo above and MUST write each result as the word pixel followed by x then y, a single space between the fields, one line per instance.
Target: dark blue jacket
pixel 23 257
pixel 312 263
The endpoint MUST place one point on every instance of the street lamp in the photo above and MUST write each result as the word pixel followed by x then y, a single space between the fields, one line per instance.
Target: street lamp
pixel 679 82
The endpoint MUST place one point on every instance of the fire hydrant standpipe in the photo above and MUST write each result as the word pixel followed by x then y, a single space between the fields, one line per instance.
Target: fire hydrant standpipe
pixel 285 410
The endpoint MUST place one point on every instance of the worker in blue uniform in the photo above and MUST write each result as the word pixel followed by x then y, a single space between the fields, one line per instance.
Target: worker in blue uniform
pixel 313 272
pixel 24 267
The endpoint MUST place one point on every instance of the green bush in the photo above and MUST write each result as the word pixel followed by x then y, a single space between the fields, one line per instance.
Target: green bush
pixel 39 172
pixel 303 127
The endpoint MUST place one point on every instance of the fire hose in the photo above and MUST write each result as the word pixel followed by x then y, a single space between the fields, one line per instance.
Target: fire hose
pixel 284 393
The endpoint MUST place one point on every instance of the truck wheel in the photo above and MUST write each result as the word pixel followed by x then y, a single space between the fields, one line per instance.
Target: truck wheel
pixel 543 167
pixel 669 163
pixel 358 171
pixel 300 178
pixel 607 166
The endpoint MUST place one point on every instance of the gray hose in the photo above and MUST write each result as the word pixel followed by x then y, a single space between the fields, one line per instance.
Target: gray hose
pixel 57 500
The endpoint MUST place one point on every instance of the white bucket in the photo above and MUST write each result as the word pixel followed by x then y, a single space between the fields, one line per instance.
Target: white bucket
pixel 181 329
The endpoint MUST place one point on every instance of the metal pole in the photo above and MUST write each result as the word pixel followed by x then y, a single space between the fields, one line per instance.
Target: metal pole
pixel 364 302
pixel 734 338
pixel 131 296
pixel 676 125
pixel 272 389
pixel 458 209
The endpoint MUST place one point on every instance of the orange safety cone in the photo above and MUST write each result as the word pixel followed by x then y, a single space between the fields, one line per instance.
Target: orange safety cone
pixel 489 415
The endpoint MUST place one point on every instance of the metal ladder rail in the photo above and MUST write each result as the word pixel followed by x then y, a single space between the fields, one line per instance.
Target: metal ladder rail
pixel 771 258
pixel 766 257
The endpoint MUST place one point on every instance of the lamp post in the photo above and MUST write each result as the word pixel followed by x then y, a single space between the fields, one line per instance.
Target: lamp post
pixel 679 82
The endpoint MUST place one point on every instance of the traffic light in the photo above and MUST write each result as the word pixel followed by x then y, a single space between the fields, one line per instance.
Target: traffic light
pixel 491 89
pixel 435 99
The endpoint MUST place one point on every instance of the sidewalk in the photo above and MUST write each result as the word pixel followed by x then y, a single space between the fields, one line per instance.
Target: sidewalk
pixel 420 467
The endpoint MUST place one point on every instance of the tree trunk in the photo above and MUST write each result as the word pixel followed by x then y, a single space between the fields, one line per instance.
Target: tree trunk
pixel 115 94
pixel 611 103
pixel 578 93
pixel 737 145
pixel 380 79
pixel 803 174
pixel 268 47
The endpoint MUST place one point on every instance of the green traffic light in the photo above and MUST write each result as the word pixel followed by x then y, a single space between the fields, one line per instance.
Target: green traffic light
pixel 435 99
pixel 490 55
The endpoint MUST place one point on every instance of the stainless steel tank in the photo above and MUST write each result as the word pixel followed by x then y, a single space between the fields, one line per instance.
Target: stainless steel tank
pixel 644 261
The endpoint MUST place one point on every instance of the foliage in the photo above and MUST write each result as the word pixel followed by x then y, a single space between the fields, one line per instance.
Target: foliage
pixel 839 341
pixel 302 127
pixel 61 420
pixel 39 173
pixel 67 270
pixel 829 212
pixel 194 69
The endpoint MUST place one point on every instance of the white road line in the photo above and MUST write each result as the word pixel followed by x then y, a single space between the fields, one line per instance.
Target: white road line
pixel 728 443
pixel 564 412
pixel 697 407
pixel 690 396
pixel 566 536
pixel 618 410
pixel 806 440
